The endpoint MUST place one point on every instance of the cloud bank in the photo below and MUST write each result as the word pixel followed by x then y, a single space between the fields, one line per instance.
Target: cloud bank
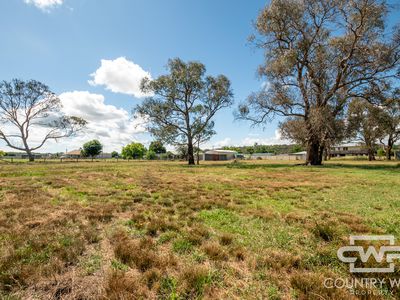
pixel 120 76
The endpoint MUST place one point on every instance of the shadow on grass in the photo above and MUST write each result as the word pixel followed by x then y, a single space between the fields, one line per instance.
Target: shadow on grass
pixel 261 166
pixel 240 166
pixel 394 167
pixel 247 166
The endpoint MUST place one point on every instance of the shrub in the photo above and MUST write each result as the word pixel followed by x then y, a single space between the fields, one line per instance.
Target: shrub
pixel 151 155
pixel 380 153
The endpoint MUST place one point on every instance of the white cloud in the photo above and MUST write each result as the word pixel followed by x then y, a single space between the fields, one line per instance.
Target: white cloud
pixel 273 140
pixel 45 5
pixel 113 126
pixel 120 76
pixel 218 144
pixel 250 140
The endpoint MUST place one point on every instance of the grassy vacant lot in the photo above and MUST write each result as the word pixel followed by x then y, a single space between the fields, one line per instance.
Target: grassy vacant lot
pixel 126 230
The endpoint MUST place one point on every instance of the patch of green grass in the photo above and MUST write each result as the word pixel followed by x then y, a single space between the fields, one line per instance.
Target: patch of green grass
pixel 252 232
pixel 182 246
pixel 117 265
pixel 92 264
pixel 75 194
pixel 166 237
pixel 168 288
pixel 29 255
pixel 273 292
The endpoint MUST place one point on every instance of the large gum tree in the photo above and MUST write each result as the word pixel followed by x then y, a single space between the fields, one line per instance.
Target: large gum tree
pixel 184 103
pixel 31 115
pixel 318 54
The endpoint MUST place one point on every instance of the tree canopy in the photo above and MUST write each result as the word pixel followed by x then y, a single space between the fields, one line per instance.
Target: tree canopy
pixel 92 148
pixel 150 155
pixel 133 151
pixel 29 109
pixel 157 147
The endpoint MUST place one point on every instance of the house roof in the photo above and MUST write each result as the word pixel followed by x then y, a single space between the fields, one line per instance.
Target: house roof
pixel 299 153
pixel 218 151
pixel 262 154
pixel 350 144
pixel 73 152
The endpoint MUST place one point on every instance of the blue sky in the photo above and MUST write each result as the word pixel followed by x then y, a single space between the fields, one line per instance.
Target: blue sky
pixel 63 42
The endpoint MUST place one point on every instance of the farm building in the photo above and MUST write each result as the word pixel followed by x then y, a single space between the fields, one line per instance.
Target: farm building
pixel 23 155
pixel 290 156
pixel 302 155
pixel 261 155
pixel 215 155
pixel 72 154
pixel 348 150
pixel 104 155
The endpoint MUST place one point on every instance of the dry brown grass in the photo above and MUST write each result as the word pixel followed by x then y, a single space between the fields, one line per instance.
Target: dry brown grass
pixel 151 230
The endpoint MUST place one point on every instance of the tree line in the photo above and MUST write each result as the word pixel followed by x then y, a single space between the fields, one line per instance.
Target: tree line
pixel 274 149
pixel 133 150
pixel 331 71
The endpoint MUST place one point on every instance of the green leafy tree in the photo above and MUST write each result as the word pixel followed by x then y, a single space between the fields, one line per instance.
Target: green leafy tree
pixel 34 116
pixel 133 151
pixel 92 148
pixel 296 148
pixel 364 124
pixel 380 153
pixel 390 120
pixel 184 103
pixel 249 150
pixel 114 154
pixel 157 147
pixel 318 56
pixel 151 155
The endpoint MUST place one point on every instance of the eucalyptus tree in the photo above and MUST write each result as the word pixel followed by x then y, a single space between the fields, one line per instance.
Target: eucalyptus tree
pixel 391 125
pixel 364 124
pixel 31 114
pixel 390 121
pixel 384 103
pixel 318 55
pixel 184 103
